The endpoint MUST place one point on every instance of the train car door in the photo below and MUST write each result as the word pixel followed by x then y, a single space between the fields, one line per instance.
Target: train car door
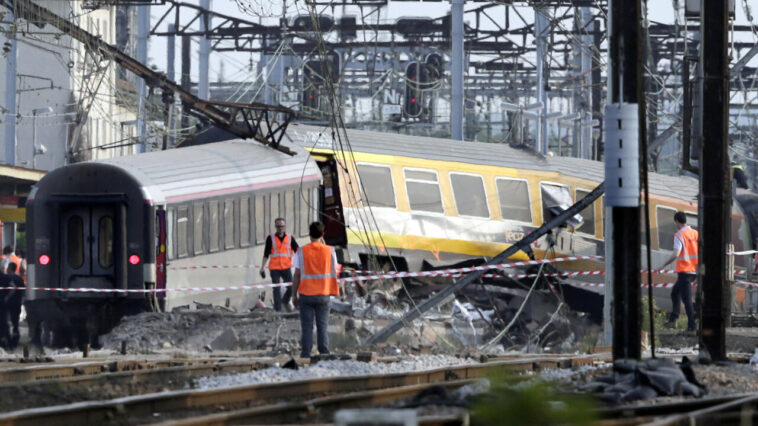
pixel 87 246
pixel 160 250
pixel 331 213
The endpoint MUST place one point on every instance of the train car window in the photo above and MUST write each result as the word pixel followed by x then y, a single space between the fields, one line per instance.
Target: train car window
pixel 302 218
pixel 105 242
pixel 75 242
pixel 213 225
pixel 197 229
pixel 314 208
pixel 275 212
pixel 513 195
pixel 470 198
pixel 588 214
pixel 376 181
pixel 666 227
pixel 229 224
pixel 692 220
pixel 170 244
pixel 245 222
pixel 260 217
pixel 555 199
pixel 423 191
pixel 289 211
pixel 182 232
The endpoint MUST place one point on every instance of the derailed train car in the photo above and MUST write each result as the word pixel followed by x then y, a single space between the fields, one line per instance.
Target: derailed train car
pixel 122 223
pixel 154 220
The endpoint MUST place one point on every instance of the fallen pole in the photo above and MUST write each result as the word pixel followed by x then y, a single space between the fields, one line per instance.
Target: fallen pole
pixel 435 300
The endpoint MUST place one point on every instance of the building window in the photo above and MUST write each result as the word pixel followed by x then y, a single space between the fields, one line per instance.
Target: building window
pixel 513 196
pixel 469 194
pixel 423 191
pixel 376 185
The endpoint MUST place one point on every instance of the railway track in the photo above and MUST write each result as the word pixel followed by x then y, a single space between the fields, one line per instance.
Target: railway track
pixel 187 404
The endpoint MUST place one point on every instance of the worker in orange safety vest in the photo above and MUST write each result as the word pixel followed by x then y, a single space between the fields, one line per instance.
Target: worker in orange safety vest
pixel 278 253
pixel 686 256
pixel 315 281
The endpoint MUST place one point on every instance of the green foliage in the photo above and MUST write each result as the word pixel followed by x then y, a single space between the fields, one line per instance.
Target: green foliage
pixel 536 403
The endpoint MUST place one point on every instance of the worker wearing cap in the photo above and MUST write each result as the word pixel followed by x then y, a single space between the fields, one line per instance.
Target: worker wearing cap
pixel 686 256
pixel 314 283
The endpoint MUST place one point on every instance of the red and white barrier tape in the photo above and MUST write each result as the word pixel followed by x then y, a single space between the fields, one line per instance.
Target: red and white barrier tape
pixel 185 268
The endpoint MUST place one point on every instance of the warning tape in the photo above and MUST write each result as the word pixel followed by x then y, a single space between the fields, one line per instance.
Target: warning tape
pixel 184 268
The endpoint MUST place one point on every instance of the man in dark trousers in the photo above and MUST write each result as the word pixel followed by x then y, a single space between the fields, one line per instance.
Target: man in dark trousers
pixel 314 283
pixel 13 302
pixel 5 338
pixel 280 247
pixel 686 256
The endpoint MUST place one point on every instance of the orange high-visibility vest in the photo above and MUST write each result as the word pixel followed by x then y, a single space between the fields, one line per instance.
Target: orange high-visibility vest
pixel 686 260
pixel 281 253
pixel 318 276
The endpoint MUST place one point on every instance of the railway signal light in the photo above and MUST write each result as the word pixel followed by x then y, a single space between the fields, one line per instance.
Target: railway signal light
pixel 134 259
pixel 44 259
pixel 413 90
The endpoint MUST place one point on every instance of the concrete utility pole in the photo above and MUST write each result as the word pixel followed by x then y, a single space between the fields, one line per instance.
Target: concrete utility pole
pixel 715 185
pixel 456 107
pixel 624 129
pixel 143 29
pixel 10 95
pixel 204 53
pixel 540 33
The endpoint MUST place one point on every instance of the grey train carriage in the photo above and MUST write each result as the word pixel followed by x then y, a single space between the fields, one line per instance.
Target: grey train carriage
pixel 148 221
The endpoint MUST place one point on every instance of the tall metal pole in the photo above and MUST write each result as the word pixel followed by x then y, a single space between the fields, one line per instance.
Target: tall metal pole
pixel 540 33
pixel 586 67
pixel 143 28
pixel 456 107
pixel 171 52
pixel 168 137
pixel 596 147
pixel 204 53
pixel 624 127
pixel 186 80
pixel 10 96
pixel 714 178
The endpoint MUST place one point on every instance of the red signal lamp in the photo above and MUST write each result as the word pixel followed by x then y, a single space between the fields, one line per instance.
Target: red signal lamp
pixel 44 259
pixel 134 259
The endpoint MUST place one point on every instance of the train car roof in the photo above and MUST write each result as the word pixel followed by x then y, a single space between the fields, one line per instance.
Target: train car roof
pixel 215 169
pixel 490 154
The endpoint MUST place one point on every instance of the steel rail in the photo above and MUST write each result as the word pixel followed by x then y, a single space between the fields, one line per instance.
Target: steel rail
pixel 315 409
pixel 195 401
pixel 81 368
